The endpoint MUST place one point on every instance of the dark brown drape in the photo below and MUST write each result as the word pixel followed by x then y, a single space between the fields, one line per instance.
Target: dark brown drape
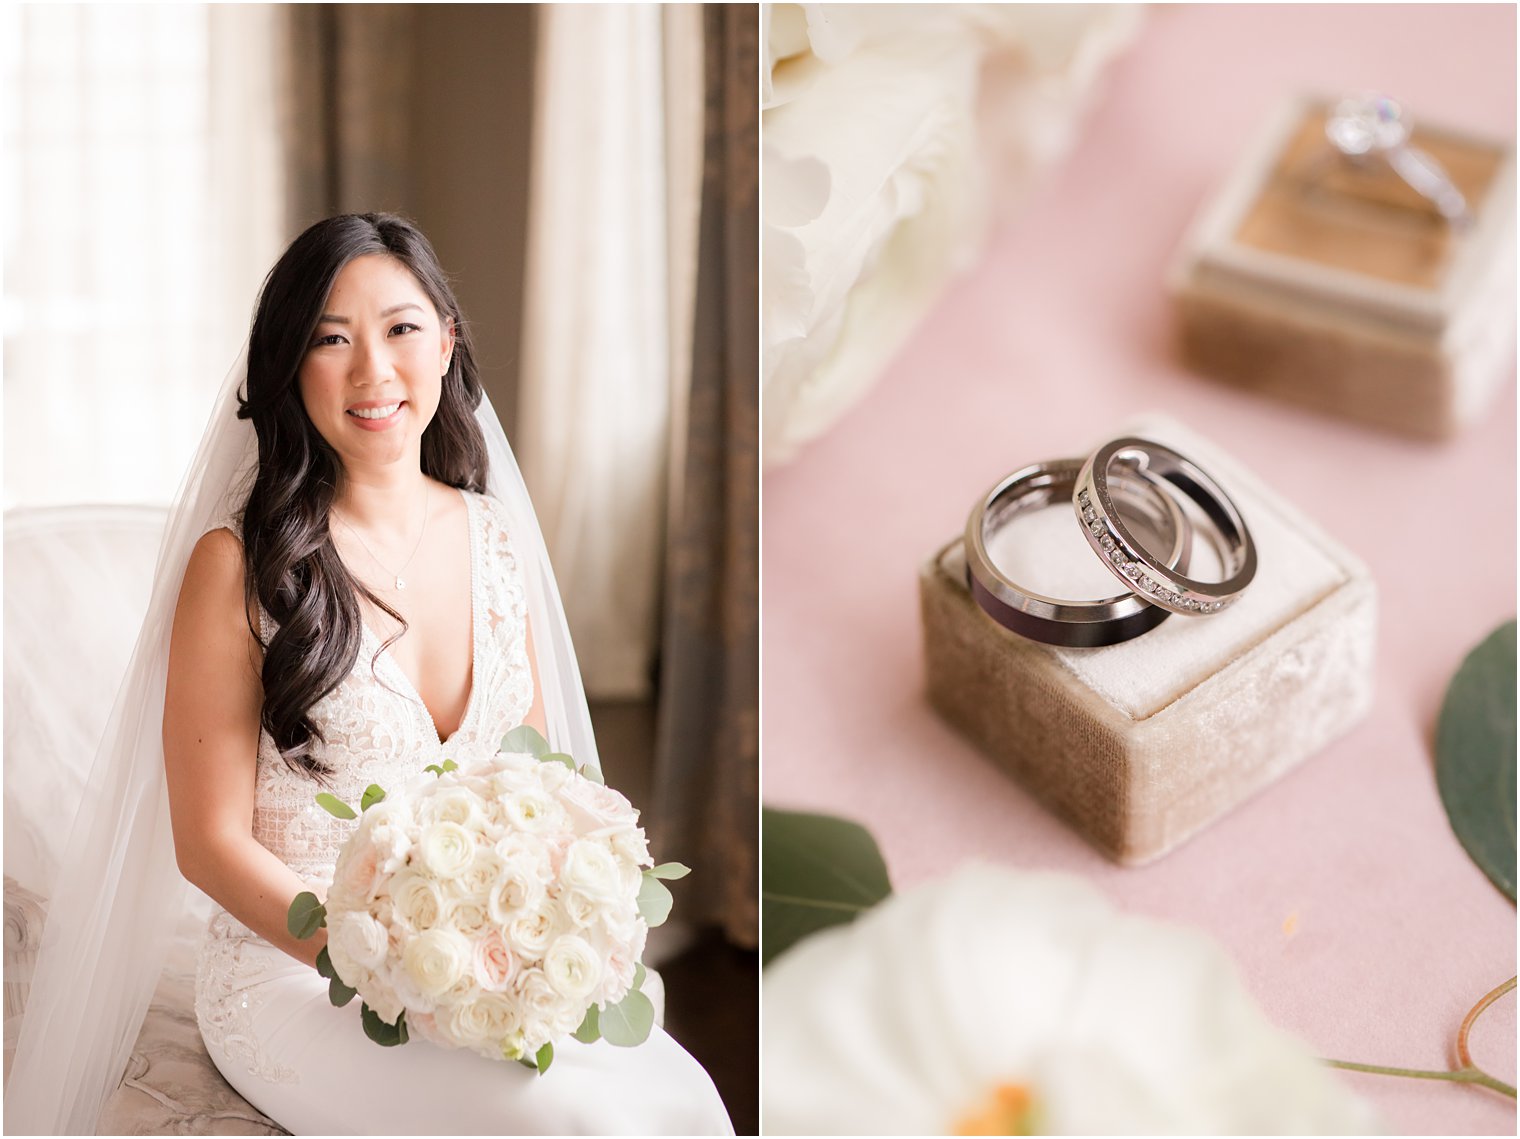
pixel 707 759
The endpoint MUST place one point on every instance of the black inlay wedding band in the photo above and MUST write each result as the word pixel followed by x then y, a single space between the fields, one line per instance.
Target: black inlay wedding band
pixel 1053 621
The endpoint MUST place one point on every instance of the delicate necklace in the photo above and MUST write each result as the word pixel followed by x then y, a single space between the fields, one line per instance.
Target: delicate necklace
pixel 400 581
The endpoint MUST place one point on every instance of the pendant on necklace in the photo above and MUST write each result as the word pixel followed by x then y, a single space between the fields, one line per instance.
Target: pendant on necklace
pixel 400 584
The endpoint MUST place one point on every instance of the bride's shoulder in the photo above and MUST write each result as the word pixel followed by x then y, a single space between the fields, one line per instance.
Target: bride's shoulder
pixel 212 589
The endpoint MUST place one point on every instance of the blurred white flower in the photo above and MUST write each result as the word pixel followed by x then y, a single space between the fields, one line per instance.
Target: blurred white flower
pixel 999 1002
pixel 889 133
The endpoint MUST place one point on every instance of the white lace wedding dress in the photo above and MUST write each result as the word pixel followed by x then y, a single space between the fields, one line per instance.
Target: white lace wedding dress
pixel 266 1018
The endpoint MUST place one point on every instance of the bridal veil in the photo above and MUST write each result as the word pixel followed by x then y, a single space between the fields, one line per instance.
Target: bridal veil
pixel 119 894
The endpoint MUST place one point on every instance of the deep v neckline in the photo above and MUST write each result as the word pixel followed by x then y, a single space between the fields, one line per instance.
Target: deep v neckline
pixel 412 692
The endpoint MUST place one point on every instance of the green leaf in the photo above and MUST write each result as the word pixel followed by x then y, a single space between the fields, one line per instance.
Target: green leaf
pixel 544 1058
pixel 385 1035
pixel 450 765
pixel 818 871
pixel 525 739
pixel 557 757
pixel 669 871
pixel 339 993
pixel 373 794
pixel 434 768
pixel 628 1022
pixel 654 901
pixel 1475 756
pixel 305 916
pixel 639 973
pixel 592 773
pixel 590 1031
pixel 335 806
pixel 325 965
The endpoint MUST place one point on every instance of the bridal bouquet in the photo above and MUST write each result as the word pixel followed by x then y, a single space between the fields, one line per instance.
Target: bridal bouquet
pixel 496 907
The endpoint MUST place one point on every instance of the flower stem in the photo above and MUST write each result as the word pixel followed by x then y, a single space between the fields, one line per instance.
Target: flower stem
pixel 1468 1073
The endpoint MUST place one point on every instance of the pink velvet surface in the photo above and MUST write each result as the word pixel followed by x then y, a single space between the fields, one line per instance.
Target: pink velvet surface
pixel 1354 915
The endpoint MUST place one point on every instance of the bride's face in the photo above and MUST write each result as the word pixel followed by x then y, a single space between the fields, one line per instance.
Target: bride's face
pixel 371 378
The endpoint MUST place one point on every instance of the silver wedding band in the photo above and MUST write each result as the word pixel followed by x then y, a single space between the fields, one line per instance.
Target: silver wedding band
pixel 1130 560
pixel 1128 498
pixel 1054 621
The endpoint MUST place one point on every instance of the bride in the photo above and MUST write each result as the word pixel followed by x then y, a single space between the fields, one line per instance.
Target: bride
pixel 350 592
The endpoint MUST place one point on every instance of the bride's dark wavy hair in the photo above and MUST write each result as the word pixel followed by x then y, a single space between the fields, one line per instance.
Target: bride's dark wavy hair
pixel 290 563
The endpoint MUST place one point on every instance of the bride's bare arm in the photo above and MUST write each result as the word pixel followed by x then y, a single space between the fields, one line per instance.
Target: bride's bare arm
pixel 535 717
pixel 211 737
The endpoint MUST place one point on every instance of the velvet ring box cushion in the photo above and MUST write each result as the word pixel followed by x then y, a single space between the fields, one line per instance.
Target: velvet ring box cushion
pixel 1139 745
pixel 1338 287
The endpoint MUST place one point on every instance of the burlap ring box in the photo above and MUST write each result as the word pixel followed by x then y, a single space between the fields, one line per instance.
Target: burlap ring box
pixel 1308 279
pixel 1140 745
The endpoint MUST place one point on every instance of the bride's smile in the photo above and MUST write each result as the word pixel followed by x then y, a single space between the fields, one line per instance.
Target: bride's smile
pixel 370 380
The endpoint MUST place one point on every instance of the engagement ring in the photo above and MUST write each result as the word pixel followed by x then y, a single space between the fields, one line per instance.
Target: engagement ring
pixel 1374 129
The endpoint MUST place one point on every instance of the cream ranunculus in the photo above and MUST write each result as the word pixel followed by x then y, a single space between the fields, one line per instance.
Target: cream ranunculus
pixel 572 967
pixel 531 934
pixel 533 810
pixel 997 1001
pixel 591 870
pixel 890 132
pixel 446 848
pixel 435 960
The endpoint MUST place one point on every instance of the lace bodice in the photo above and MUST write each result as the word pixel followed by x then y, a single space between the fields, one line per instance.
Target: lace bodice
pixel 376 730
pixel 376 727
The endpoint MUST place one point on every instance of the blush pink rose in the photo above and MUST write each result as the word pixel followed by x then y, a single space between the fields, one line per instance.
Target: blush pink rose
pixel 495 965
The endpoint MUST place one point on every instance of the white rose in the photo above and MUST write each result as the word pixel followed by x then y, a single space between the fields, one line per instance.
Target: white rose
pixel 1029 1000
pixel 518 889
pixel 538 1005
pixel 435 960
pixel 450 805
pixel 594 806
pixel 477 879
pixel 447 848
pixel 382 999
pixel 389 825
pixel 494 963
pixel 579 909
pixel 590 869
pixel 553 776
pixel 572 967
pixel 482 1024
pixel 356 875
pixel 470 917
pixel 417 900
pixel 360 939
pixel 630 846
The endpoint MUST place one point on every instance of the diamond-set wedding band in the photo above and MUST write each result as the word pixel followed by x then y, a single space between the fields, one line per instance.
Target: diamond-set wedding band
pixel 1374 128
pixel 1128 559
pixel 1128 497
pixel 1076 624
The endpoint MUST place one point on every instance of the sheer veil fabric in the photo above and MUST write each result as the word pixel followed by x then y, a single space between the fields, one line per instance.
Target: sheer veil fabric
pixel 119 894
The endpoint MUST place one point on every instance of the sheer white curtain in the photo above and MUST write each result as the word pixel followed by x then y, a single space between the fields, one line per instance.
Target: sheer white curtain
pixel 144 201
pixel 611 256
